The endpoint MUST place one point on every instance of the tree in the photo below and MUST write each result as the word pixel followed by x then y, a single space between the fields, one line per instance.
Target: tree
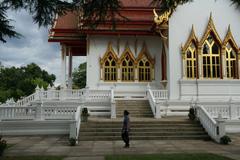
pixel 44 11
pixel 20 82
pixel 79 76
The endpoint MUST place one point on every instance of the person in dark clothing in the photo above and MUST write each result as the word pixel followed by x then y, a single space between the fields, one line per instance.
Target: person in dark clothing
pixel 126 128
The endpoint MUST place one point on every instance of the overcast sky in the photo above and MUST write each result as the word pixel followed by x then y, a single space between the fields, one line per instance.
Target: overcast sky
pixel 33 47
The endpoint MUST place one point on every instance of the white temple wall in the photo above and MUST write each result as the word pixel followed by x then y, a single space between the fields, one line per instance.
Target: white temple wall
pixel 97 48
pixel 197 13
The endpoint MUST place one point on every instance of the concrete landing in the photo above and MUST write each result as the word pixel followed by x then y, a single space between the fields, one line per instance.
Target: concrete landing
pixel 88 150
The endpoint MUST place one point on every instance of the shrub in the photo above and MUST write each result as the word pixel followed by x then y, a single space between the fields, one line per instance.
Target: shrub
pixel 225 140
pixel 3 145
pixel 191 114
pixel 72 141
pixel 85 112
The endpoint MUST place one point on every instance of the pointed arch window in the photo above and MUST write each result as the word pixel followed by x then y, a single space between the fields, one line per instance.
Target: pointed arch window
pixel 145 65
pixel 190 57
pixel 144 70
pixel 231 61
pixel 191 61
pixel 211 58
pixel 127 68
pixel 109 68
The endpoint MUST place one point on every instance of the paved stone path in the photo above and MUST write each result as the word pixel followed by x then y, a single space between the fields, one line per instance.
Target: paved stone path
pixel 95 150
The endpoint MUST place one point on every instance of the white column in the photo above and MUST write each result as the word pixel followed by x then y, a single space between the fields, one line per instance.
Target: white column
pixel 63 66
pixel 200 66
pixel 224 67
pixel 184 67
pixel 69 69
pixel 136 74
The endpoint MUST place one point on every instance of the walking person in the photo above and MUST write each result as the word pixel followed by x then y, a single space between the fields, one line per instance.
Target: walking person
pixel 126 128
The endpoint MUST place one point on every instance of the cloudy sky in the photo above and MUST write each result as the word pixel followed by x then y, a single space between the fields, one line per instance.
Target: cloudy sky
pixel 32 47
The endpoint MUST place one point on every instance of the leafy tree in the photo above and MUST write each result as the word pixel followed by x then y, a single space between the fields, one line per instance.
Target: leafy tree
pixel 21 82
pixel 79 76
pixel 44 11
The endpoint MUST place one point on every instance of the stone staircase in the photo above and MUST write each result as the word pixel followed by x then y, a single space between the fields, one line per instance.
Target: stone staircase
pixel 143 129
pixel 136 108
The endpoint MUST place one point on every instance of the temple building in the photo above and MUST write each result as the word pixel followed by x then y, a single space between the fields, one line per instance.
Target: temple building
pixel 193 54
pixel 159 67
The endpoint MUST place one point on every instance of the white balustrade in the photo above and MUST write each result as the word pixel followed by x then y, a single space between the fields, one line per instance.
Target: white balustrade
pixel 160 94
pixel 27 100
pixel 75 125
pixel 215 129
pixel 155 105
pixel 229 110
pixel 58 112
pixel 98 95
pixel 17 113
pixel 214 110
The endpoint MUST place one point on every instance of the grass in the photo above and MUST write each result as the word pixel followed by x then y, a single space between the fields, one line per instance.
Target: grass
pixel 175 156
pixel 32 158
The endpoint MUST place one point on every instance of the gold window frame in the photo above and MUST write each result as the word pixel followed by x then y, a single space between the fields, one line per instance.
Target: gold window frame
pixel 193 69
pixel 110 69
pixel 147 71
pixel 227 51
pixel 127 72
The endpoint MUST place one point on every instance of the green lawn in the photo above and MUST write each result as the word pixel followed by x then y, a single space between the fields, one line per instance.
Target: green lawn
pixel 32 158
pixel 180 156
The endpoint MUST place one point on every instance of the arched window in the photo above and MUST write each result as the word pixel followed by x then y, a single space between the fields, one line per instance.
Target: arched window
pixel 231 61
pixel 110 69
pixel 231 55
pixel 190 56
pixel 127 67
pixel 211 58
pixel 144 70
pixel 109 66
pixel 145 66
pixel 191 61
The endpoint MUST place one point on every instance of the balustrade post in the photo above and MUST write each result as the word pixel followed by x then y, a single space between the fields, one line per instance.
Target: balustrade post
pixel 232 110
pixel 62 94
pixel 113 109
pixel 49 92
pixel 37 93
pixel 39 114
pixel 73 131
pixel 158 112
pixel 220 127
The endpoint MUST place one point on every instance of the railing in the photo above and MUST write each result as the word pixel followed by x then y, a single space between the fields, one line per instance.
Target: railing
pixel 98 95
pixel 64 94
pixel 58 112
pixel 215 129
pixel 160 94
pixel 229 110
pixel 75 126
pixel 27 100
pixel 155 106
pixel 24 113
pixel 37 113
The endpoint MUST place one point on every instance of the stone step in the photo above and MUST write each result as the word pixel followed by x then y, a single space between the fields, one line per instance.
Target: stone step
pixel 137 115
pixel 147 121
pixel 135 112
pixel 141 133
pixel 141 126
pixel 183 129
pixel 111 138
